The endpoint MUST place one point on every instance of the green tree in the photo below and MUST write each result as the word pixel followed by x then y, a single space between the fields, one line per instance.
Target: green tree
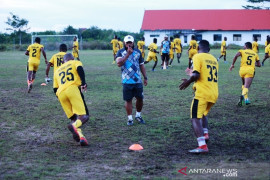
pixel 17 25
pixel 262 4
pixel 70 30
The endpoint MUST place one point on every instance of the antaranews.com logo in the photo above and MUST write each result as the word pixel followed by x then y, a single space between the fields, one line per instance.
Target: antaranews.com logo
pixel 223 171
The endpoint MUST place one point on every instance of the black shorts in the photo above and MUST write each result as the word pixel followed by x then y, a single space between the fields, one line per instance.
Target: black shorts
pixel 165 56
pixel 132 90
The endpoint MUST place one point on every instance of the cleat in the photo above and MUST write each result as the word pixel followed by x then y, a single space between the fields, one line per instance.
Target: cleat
pixel 247 102
pixel 140 120
pixel 206 136
pixel 262 63
pixel 178 61
pixel 83 141
pixel 30 86
pixel 153 70
pixel 74 132
pixel 241 101
pixel 225 62
pixel 130 122
pixel 199 150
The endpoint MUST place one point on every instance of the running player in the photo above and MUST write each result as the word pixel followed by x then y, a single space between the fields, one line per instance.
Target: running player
pixel 56 61
pixel 120 44
pixel 255 45
pixel 152 53
pixel 172 49
pixel 178 47
pixel 267 50
pixel 33 51
pixel 70 81
pixel 249 59
pixel 192 50
pixel 114 43
pixel 165 50
pixel 141 46
pixel 75 48
pixel 205 76
pixel 223 49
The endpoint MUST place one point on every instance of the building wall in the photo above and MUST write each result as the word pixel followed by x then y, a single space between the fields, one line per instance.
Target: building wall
pixel 208 35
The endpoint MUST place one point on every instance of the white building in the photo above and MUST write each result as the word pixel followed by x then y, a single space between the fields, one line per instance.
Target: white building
pixel 239 26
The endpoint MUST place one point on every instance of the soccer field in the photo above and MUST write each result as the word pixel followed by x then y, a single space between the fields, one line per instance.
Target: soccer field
pixel 35 141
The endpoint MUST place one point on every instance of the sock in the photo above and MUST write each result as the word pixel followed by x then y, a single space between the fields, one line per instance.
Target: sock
pixel 130 117
pixel 138 114
pixel 80 132
pixel 201 141
pixel 245 92
pixel 77 123
pixel 205 131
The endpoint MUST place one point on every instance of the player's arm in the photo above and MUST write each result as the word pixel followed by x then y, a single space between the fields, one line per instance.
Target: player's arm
pixel 82 77
pixel 26 53
pixel 257 62
pixel 120 61
pixel 142 68
pixel 44 55
pixel 186 82
pixel 234 60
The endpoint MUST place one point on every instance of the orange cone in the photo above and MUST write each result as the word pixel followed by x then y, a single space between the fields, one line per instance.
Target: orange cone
pixel 43 84
pixel 135 147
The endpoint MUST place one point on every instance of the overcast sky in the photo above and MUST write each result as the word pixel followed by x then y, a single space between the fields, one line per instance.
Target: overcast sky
pixel 124 15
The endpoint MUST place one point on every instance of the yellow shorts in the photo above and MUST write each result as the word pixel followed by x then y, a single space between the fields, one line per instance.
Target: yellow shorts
pixel 246 73
pixel 32 66
pixel 200 108
pixel 75 54
pixel 191 54
pixel 171 56
pixel 223 53
pixel 72 101
pixel 178 50
pixel 151 57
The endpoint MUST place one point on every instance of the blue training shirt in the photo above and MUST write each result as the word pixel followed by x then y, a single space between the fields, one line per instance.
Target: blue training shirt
pixel 165 46
pixel 131 73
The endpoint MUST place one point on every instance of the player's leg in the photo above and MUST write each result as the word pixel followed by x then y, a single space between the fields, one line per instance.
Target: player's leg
pixel 156 61
pixel 128 95
pixel 248 82
pixel 242 99
pixel 162 60
pixel 225 57
pixel 167 59
pixel 265 57
pixel 139 103
pixel 178 57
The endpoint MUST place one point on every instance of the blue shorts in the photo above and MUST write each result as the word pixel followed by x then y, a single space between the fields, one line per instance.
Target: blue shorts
pixel 132 90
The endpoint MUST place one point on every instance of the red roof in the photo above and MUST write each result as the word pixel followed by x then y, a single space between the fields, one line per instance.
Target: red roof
pixel 206 20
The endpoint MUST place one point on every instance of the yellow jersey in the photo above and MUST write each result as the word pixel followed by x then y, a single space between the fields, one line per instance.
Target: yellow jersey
pixel 207 84
pixel 194 45
pixel 172 48
pixel 255 46
pixel 177 43
pixel 140 45
pixel 249 57
pixel 152 47
pixel 114 43
pixel 34 52
pixel 121 45
pixel 223 46
pixel 76 49
pixel 66 75
pixel 267 49
pixel 266 43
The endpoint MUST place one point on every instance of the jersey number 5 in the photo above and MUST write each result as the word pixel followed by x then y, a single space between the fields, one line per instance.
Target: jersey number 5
pixel 66 76
pixel 249 61
pixel 213 73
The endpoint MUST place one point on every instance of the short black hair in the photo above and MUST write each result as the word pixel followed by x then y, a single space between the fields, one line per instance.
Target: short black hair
pixel 155 40
pixel 255 39
pixel 143 39
pixel 63 47
pixel 115 36
pixel 171 38
pixel 248 45
pixel 193 37
pixel 204 45
pixel 37 39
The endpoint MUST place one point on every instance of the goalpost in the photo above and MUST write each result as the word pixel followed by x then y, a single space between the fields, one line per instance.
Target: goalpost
pixel 52 42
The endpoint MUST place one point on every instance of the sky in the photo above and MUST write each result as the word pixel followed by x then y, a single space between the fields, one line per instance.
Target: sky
pixel 124 15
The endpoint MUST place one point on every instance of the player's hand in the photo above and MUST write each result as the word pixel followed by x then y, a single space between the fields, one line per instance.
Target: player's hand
pixel 189 71
pixel 46 62
pixel 184 84
pixel 84 88
pixel 145 82
pixel 232 66
pixel 129 50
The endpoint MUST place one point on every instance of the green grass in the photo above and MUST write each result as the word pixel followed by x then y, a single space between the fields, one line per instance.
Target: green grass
pixel 36 144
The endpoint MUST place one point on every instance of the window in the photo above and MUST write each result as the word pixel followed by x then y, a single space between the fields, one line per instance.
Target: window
pixel 198 37
pixel 185 39
pixel 217 37
pixel 154 35
pixel 237 37
pixel 258 36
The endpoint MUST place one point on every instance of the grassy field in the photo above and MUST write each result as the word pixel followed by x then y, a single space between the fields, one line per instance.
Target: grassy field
pixel 36 144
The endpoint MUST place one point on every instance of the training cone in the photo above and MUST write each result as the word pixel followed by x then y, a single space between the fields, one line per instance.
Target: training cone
pixel 135 147
pixel 43 84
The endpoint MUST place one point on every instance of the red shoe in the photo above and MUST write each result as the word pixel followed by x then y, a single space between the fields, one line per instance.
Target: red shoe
pixel 206 136
pixel 200 149
pixel 83 141
pixel 74 132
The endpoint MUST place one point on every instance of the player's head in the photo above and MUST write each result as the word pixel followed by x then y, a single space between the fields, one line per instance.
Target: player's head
pixel 225 38
pixel 204 46
pixel 115 37
pixel 63 48
pixel 68 57
pixel 248 45
pixel 119 39
pixel 75 38
pixel 37 40
pixel 166 37
pixel 155 40
pixel 129 41
pixel 142 39
pixel 177 36
pixel 268 39
pixel 255 39
pixel 171 38
pixel 193 37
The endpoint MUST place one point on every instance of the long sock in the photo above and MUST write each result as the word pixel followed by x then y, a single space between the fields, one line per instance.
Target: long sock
pixel 138 114
pixel 201 141
pixel 245 92
pixel 130 117
pixel 77 123
pixel 80 132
